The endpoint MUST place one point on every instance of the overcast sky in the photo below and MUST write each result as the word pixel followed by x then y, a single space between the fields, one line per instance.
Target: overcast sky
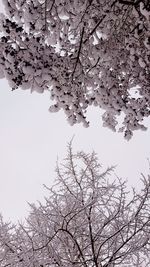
pixel 31 138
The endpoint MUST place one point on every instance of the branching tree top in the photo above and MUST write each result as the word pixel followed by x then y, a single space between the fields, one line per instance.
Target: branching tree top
pixel 87 220
pixel 87 52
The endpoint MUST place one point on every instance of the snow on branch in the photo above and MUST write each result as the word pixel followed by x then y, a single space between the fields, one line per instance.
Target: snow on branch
pixel 88 219
pixel 85 53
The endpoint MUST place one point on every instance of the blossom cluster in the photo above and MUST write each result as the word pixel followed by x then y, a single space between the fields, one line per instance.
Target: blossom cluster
pixel 83 52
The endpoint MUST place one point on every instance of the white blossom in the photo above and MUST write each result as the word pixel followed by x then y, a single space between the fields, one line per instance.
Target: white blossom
pixel 84 52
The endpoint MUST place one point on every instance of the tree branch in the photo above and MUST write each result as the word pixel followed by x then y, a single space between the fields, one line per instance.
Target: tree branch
pixel 79 51
pixel 129 3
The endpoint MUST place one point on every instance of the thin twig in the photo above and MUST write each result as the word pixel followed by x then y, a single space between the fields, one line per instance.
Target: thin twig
pixel 79 51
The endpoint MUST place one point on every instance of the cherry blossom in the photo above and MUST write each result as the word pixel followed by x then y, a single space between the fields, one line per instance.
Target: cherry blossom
pixel 84 53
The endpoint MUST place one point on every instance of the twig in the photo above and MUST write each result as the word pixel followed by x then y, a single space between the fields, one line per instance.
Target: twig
pixel 52 6
pixel 96 26
pixel 79 51
pixel 98 23
pixel 45 7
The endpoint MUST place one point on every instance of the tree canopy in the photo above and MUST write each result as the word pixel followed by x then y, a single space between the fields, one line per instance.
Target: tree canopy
pixel 87 52
pixel 88 219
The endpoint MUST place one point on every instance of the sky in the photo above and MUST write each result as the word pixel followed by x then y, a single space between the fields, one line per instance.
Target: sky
pixel 31 139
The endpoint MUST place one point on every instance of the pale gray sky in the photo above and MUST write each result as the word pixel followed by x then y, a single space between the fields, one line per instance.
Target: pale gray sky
pixel 31 138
